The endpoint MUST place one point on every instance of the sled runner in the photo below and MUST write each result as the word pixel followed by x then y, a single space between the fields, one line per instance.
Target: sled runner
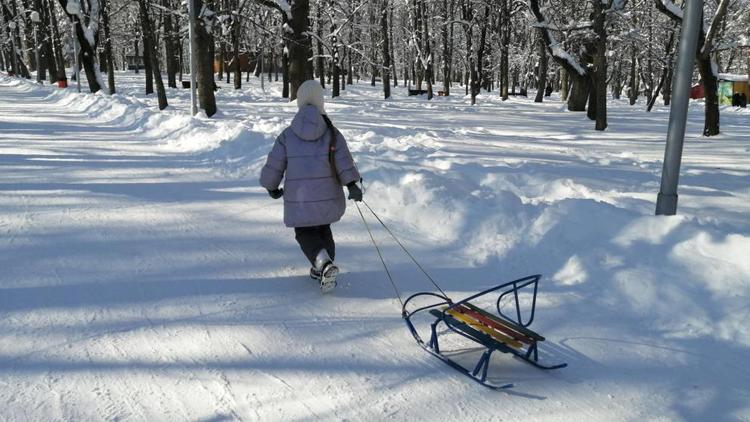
pixel 492 330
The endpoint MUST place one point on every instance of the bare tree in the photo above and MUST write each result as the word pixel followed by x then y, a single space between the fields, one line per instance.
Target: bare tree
pixel 150 51
pixel 87 29
pixel 386 67
pixel 705 59
pixel 202 49
pixel 542 74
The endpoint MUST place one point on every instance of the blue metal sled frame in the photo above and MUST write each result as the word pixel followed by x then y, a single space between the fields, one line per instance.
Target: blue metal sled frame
pixel 443 315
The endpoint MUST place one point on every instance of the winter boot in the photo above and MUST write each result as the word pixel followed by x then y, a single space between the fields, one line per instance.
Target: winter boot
pixel 328 272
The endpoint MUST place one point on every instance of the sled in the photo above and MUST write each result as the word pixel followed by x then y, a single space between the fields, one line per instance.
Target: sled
pixel 495 331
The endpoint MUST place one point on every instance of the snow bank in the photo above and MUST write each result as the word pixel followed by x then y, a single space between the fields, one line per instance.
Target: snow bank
pixel 650 312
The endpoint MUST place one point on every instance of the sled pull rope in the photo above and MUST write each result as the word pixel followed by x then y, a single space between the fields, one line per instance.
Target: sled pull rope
pixel 367 226
pixel 400 244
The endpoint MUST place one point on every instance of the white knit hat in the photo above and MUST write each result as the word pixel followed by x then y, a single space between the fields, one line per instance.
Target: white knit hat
pixel 311 93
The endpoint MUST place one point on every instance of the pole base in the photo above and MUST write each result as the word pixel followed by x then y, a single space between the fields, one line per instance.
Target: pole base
pixel 666 204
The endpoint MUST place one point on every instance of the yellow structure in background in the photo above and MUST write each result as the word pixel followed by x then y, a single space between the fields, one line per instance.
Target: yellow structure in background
pixel 730 84
pixel 741 86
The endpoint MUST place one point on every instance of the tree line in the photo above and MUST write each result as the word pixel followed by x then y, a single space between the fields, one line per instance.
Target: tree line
pixel 589 51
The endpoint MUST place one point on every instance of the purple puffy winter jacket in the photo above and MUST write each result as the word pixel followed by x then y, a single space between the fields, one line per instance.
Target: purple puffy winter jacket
pixel 312 195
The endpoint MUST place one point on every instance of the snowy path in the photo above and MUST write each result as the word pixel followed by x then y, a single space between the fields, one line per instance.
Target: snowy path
pixel 139 283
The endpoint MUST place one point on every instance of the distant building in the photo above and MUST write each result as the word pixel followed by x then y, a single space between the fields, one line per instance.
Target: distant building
pixel 728 85
pixel 247 61
pixel 134 61
pixel 731 87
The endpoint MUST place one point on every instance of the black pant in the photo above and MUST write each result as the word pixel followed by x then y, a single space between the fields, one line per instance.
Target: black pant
pixel 313 239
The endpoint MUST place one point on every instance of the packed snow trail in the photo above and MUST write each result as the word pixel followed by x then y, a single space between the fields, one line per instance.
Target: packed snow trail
pixel 146 280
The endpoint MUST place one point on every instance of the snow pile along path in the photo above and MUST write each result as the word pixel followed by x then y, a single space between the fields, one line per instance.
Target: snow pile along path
pixel 146 276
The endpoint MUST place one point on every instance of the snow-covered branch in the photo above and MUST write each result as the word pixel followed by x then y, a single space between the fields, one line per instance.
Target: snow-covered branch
pixel 557 51
pixel 670 9
pixel 721 11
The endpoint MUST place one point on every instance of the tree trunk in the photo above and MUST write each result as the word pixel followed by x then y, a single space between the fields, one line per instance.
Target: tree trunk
pixel 47 46
pixel 5 47
pixel 617 87
pixel 88 55
pixel 222 61
pixel 135 52
pixel 274 63
pixel 664 74
pixel 147 47
pixel 373 43
pixel 579 92
pixel 258 70
pixel 633 90
pixel 16 46
pixel 419 69
pixel 564 88
pixel 25 38
pixel 319 60
pixel 170 46
pixel 477 71
pixel 56 44
pixel 542 76
pixel 447 62
pixel 259 67
pixel 405 64
pixel 393 52
pixel 87 51
pixel 706 68
pixel 285 71
pixel 705 59
pixel 105 5
pixel 348 71
pixel 335 73
pixel 652 101
pixel 429 68
pixel 182 53
pixel 236 28
pixel 150 51
pixel 470 73
pixel 271 65
pixel 668 81
pixel 40 43
pixel 505 52
pixel 386 51
pixel 202 51
pixel 300 68
pixel 710 86
pixel 600 66
pixel 593 99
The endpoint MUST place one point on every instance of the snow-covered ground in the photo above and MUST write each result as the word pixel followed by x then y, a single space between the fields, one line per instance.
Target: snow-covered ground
pixel 144 275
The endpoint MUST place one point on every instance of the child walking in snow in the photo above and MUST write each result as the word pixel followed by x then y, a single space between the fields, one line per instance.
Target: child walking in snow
pixel 313 159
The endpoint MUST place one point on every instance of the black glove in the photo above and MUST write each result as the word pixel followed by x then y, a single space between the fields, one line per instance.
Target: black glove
pixel 276 193
pixel 355 192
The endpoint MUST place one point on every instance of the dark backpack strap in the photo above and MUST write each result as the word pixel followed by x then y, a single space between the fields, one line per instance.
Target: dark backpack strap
pixel 332 148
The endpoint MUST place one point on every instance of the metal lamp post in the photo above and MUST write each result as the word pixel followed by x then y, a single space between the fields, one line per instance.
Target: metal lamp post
pixel 36 20
pixel 13 62
pixel 666 202
pixel 74 8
